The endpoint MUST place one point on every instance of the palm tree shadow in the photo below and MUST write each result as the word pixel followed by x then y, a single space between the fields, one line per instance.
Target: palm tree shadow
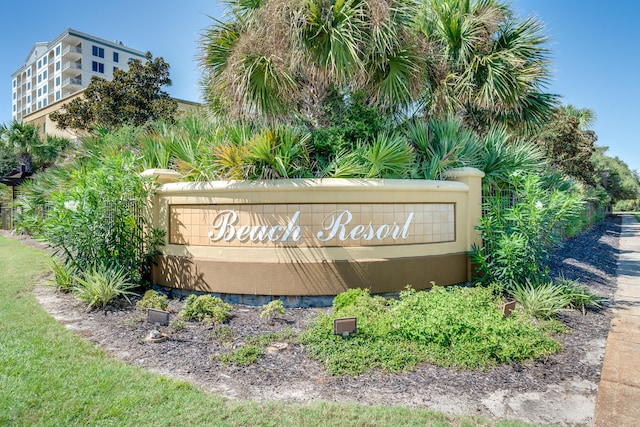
pixel 591 257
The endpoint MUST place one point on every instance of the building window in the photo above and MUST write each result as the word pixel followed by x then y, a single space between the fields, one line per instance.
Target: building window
pixel 28 110
pixel 14 108
pixel 28 99
pixel 39 104
pixel 116 57
pixel 44 74
pixel 58 66
pixel 29 72
pixel 57 50
pixel 98 51
pixel 28 85
pixel 44 61
pixel 98 67
pixel 44 102
pixel 39 78
pixel 114 69
pixel 44 89
pixel 57 95
pixel 39 92
pixel 14 95
pixel 57 81
pixel 15 83
pixel 39 64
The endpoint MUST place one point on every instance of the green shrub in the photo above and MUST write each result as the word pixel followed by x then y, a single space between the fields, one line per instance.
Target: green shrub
pixel 152 299
pixel 63 277
pixel 99 219
pixel 519 228
pixel 266 339
pixel 177 324
pixel 349 297
pixel 205 308
pixel 543 300
pixel 456 327
pixel 243 356
pixel 252 350
pixel 99 286
pixel 579 296
pixel 222 333
pixel 271 309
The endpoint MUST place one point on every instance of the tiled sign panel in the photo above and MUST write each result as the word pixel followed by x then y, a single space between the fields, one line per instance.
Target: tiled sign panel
pixel 311 225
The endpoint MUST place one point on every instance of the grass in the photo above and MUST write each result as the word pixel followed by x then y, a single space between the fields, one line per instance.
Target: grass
pixel 49 376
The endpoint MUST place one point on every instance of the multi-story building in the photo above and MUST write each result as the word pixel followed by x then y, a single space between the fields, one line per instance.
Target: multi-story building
pixel 56 70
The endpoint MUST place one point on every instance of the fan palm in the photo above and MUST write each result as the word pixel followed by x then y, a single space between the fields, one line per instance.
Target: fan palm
pixel 586 117
pixel 24 139
pixel 283 60
pixel 280 59
pixel 491 66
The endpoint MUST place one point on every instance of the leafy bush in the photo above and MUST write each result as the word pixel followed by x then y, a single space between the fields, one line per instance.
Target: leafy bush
pixel 205 308
pixel 101 285
pixel 223 333
pixel 349 297
pixel 519 229
pixel 177 324
pixel 100 219
pixel 63 277
pixel 579 296
pixel 271 309
pixel 243 356
pixel 347 125
pixel 252 350
pixel 540 300
pixel 457 327
pixel 152 299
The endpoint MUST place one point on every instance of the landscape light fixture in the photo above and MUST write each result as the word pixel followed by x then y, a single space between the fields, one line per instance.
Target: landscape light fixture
pixel 345 326
pixel 157 316
pixel 507 308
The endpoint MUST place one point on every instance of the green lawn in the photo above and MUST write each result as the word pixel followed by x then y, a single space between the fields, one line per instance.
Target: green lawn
pixel 51 377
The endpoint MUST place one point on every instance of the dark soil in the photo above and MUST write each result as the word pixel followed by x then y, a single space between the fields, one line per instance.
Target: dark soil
pixel 558 390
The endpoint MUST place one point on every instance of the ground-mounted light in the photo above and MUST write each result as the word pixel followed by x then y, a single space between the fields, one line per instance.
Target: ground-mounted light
pixel 157 316
pixel 345 326
pixel 507 308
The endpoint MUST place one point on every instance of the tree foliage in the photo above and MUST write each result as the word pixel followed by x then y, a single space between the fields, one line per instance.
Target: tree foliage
pixel 615 176
pixel 22 144
pixel 568 145
pixel 284 60
pixel 134 97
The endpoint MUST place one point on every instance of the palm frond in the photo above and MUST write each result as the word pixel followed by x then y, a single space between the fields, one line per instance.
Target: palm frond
pixel 390 156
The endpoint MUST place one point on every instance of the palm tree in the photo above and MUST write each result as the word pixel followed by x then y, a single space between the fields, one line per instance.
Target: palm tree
pixel 284 60
pixel 490 67
pixel 586 117
pixel 23 139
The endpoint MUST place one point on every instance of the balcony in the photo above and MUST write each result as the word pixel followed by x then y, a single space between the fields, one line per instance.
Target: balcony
pixel 73 68
pixel 72 52
pixel 72 84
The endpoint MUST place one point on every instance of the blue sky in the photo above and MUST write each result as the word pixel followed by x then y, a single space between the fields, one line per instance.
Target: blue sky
pixel 595 49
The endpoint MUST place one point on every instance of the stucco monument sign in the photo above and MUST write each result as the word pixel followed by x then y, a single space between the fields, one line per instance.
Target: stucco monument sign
pixel 306 238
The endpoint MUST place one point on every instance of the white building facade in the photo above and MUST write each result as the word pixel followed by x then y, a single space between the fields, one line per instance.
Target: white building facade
pixel 58 69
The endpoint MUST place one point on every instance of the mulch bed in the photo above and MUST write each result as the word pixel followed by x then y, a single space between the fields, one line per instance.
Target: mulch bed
pixel 511 390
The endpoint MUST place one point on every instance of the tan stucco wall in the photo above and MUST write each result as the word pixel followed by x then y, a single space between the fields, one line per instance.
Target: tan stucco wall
pixel 49 127
pixel 269 268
